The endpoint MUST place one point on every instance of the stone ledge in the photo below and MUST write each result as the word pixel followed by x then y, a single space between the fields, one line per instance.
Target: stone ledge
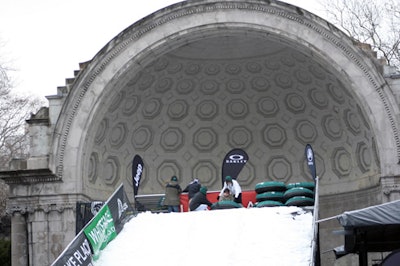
pixel 29 176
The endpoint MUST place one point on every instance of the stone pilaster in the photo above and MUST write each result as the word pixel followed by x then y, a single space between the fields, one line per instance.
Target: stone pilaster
pixel 19 238
pixel 41 229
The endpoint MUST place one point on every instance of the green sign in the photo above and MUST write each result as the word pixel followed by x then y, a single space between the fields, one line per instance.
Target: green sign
pixel 100 231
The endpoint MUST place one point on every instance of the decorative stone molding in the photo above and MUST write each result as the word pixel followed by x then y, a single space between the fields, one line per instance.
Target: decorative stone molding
pixel 389 189
pixel 27 177
pixel 390 184
pixel 19 209
pixel 46 208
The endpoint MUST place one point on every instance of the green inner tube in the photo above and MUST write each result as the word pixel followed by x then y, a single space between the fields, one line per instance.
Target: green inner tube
pixel 268 203
pixel 226 204
pixel 300 201
pixel 309 185
pixel 298 191
pixel 271 195
pixel 270 186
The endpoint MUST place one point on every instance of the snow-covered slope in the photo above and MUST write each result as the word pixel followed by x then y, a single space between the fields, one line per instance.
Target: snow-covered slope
pixel 256 236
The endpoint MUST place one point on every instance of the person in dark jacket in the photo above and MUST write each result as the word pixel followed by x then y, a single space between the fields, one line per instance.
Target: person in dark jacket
pixel 172 195
pixel 199 202
pixel 192 188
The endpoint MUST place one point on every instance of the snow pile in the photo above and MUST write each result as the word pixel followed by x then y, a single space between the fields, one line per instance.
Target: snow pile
pixel 257 236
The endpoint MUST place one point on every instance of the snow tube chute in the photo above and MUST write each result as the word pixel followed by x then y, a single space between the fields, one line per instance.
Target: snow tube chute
pixel 225 204
pixel 271 195
pixel 300 201
pixel 268 203
pixel 298 191
pixel 309 185
pixel 270 186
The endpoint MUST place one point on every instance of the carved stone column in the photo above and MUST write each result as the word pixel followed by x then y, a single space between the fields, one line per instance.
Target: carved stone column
pixel 43 221
pixel 19 238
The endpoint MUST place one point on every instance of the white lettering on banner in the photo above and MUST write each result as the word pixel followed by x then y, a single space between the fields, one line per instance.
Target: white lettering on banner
pixel 80 256
pixel 121 207
pixel 138 173
pixel 70 262
pixel 100 233
pixel 236 158
pixel 235 161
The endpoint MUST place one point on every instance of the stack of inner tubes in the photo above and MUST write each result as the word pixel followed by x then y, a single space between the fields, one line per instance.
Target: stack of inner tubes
pixel 270 194
pixel 300 194
pixel 275 193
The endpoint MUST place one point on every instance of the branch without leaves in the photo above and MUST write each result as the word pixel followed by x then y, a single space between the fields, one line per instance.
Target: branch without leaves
pixel 375 22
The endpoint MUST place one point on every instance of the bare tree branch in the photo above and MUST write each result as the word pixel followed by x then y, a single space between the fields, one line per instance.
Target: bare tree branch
pixel 375 22
pixel 14 110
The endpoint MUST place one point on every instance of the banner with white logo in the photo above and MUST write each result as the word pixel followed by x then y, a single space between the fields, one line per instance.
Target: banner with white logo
pixel 233 163
pixel 311 161
pixel 137 169
pixel 109 219
pixel 120 208
pixel 100 231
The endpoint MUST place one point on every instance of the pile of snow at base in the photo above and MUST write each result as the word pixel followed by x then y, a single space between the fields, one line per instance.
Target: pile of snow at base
pixel 254 236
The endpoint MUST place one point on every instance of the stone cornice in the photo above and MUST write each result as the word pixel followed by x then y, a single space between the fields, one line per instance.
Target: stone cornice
pixel 390 184
pixel 389 189
pixel 22 177
pixel 46 208
pixel 45 203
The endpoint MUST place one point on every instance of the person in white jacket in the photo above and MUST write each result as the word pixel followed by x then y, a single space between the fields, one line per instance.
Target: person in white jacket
pixel 234 187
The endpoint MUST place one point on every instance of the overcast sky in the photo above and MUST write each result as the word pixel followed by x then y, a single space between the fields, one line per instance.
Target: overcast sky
pixel 45 40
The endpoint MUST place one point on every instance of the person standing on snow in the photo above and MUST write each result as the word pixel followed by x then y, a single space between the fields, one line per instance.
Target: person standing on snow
pixel 199 201
pixel 172 195
pixel 192 188
pixel 234 187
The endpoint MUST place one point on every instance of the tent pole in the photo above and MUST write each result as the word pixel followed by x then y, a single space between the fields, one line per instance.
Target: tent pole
pixel 363 254
pixel 363 258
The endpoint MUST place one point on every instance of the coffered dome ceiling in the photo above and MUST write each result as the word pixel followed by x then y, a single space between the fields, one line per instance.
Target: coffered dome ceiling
pixel 186 109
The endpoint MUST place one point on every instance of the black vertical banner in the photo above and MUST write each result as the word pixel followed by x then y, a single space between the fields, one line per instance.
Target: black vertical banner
pixel 90 240
pixel 120 208
pixel 233 163
pixel 137 169
pixel 311 161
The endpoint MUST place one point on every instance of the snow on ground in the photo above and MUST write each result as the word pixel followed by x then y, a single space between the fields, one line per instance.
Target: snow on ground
pixel 254 236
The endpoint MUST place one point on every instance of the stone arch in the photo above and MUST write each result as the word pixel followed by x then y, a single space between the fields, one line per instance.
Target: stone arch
pixel 138 47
